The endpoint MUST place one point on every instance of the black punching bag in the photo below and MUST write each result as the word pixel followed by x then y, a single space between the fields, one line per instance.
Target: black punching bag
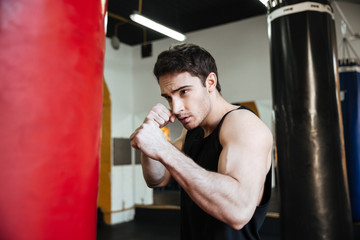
pixel 309 139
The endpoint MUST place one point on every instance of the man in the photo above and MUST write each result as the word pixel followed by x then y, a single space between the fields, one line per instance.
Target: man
pixel 222 161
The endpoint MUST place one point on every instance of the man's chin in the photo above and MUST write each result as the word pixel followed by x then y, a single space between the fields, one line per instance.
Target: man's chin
pixel 188 126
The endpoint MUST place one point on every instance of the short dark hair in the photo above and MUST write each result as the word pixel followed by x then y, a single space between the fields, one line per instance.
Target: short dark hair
pixel 186 58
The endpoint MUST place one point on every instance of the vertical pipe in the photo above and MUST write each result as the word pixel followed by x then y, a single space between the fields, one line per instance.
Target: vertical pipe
pixel 309 140
pixel 51 64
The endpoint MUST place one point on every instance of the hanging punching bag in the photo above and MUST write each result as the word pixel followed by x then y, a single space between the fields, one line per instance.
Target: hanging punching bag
pixel 350 104
pixel 313 193
pixel 51 64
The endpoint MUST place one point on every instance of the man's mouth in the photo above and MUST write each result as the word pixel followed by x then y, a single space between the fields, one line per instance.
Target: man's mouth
pixel 184 119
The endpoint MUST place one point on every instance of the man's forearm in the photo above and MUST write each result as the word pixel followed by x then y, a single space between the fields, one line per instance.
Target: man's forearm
pixel 154 172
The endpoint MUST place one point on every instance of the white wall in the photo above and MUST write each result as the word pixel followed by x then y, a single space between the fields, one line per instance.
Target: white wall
pixel 119 78
pixel 241 51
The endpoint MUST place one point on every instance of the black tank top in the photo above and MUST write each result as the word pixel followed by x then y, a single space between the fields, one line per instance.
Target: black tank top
pixel 197 224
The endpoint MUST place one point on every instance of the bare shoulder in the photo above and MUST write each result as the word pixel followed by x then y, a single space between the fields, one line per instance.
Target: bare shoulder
pixel 247 144
pixel 243 125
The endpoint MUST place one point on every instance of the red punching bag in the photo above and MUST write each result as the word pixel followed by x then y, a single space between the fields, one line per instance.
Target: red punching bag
pixel 51 65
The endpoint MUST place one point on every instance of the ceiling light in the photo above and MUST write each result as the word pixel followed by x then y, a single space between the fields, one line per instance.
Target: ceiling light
pixel 264 2
pixel 136 17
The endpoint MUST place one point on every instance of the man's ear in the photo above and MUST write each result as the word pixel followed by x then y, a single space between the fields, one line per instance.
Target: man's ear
pixel 211 82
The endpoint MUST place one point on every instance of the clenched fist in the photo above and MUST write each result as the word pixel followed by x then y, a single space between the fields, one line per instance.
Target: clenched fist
pixel 149 138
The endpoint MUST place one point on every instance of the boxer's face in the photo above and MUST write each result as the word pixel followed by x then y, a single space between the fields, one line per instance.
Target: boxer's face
pixel 188 99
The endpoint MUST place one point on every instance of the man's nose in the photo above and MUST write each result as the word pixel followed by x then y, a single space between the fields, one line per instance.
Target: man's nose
pixel 177 107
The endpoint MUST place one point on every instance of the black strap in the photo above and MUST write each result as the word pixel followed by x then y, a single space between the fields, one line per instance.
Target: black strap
pixel 241 107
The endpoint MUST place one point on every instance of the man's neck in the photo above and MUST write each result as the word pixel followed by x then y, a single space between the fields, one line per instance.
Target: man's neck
pixel 218 109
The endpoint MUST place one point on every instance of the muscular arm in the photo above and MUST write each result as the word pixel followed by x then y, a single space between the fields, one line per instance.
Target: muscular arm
pixel 154 172
pixel 231 194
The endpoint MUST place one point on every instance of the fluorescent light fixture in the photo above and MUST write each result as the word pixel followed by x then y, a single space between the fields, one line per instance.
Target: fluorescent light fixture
pixel 264 2
pixel 136 17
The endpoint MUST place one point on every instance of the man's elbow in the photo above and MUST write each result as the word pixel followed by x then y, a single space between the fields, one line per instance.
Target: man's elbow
pixel 156 183
pixel 150 185
pixel 238 225
pixel 238 222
